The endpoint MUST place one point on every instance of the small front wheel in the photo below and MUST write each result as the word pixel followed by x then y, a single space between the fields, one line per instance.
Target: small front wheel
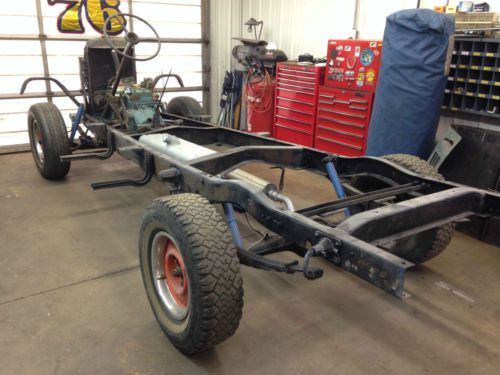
pixel 191 272
pixel 49 140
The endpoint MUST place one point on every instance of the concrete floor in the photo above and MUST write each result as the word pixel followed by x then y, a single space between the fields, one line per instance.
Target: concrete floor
pixel 72 301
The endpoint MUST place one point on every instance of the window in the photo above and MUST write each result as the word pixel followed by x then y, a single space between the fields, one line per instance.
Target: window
pixel 22 55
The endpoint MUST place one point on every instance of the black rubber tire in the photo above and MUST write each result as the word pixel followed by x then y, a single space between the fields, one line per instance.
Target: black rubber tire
pixel 185 106
pixel 212 265
pixel 426 245
pixel 46 128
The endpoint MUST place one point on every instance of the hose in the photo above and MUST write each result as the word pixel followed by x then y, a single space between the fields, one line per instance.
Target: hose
pixel 259 96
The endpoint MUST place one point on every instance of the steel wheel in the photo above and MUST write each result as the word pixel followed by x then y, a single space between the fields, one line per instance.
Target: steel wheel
pixel 38 142
pixel 48 140
pixel 170 276
pixel 190 271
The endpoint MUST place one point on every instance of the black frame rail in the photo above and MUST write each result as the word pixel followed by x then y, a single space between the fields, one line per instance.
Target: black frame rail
pixel 352 245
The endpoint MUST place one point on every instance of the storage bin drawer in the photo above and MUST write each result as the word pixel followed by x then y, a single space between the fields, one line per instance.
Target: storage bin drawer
pixel 338 147
pixel 293 135
pixel 336 123
pixel 295 114
pixel 298 81
pixel 290 93
pixel 295 104
pixel 343 116
pixel 304 126
pixel 353 139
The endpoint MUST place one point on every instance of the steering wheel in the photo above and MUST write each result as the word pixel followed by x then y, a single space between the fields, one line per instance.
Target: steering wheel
pixel 130 37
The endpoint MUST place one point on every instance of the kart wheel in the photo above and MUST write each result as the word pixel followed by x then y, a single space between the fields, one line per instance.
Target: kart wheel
pixel 190 271
pixel 185 106
pixel 49 140
pixel 426 245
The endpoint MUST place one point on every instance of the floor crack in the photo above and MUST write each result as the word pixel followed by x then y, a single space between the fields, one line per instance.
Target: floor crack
pixel 111 273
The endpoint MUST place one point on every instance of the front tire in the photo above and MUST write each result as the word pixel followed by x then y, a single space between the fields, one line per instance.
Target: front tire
pixel 49 140
pixel 190 271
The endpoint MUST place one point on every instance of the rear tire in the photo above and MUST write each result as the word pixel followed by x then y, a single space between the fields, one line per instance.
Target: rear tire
pixel 49 140
pixel 426 245
pixel 190 271
pixel 185 106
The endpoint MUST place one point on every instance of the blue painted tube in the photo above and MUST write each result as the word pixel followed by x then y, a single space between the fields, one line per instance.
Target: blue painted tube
pixel 233 224
pixel 337 185
pixel 76 122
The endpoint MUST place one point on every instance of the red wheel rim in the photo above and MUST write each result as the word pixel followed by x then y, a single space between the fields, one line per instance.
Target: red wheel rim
pixel 175 274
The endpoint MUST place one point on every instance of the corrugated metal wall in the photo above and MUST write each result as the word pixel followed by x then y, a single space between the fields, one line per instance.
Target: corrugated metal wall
pixel 295 26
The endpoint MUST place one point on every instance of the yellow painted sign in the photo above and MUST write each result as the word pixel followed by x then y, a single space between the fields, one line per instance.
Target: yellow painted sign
pixel 96 11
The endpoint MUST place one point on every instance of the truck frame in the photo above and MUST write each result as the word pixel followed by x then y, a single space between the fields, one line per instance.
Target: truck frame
pixel 394 212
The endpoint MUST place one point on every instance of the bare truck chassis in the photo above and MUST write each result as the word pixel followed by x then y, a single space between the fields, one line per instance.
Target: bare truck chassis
pixel 190 257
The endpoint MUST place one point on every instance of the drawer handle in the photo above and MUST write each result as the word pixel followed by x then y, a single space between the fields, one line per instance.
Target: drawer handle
pixel 358 108
pixel 292 119
pixel 292 128
pixel 343 113
pixel 347 102
pixel 296 91
pixel 359 101
pixel 296 76
pixel 294 100
pixel 294 110
pixel 341 132
pixel 341 122
pixel 296 71
pixel 341 143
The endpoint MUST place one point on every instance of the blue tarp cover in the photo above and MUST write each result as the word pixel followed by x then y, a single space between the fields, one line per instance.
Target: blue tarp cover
pixel 411 83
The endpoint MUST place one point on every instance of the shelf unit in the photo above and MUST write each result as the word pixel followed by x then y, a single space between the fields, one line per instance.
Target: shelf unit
pixel 474 80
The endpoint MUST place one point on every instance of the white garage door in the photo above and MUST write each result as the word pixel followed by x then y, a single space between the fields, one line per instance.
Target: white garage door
pixel 24 54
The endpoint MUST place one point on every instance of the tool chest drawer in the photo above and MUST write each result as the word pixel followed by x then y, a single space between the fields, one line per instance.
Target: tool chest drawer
pixel 296 102
pixel 342 121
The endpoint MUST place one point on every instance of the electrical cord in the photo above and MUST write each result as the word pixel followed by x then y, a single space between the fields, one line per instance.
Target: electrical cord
pixel 259 96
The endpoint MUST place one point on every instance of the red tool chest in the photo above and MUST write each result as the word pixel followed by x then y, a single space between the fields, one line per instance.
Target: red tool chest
pixel 345 102
pixel 342 121
pixel 353 64
pixel 296 101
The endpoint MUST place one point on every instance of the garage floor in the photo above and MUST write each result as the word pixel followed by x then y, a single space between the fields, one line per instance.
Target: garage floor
pixel 72 301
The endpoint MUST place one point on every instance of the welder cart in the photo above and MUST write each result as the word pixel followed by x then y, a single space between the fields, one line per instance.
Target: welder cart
pixel 391 213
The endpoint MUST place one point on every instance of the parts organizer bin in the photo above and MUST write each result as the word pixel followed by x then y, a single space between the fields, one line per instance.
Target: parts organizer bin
pixel 296 100
pixel 474 77
pixel 475 20
pixel 342 121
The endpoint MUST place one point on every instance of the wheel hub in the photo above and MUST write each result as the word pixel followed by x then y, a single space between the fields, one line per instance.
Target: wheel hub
pixel 175 274
pixel 170 276
pixel 38 143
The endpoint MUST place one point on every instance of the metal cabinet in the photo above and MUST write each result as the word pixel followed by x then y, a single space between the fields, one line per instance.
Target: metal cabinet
pixel 342 121
pixel 296 102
